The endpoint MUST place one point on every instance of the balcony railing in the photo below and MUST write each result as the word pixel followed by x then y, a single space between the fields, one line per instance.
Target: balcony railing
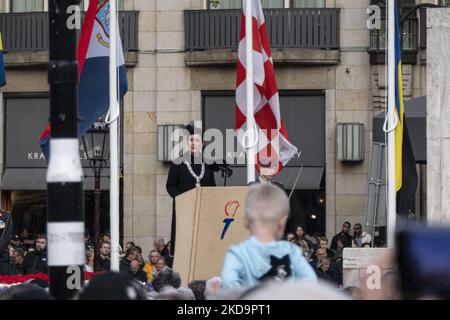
pixel 29 31
pixel 287 28
pixel 423 28
pixel 408 39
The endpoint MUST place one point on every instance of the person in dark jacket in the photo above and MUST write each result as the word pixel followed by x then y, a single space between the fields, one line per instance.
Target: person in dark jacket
pixel 103 257
pixel 300 234
pixel 187 173
pixel 137 272
pixel 345 237
pixel 323 271
pixel 17 266
pixel 36 261
pixel 125 263
pixel 6 235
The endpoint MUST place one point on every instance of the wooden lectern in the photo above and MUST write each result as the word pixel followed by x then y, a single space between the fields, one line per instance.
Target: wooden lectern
pixel 209 221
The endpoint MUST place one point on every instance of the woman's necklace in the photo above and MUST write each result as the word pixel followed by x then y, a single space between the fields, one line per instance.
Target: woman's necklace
pixel 196 177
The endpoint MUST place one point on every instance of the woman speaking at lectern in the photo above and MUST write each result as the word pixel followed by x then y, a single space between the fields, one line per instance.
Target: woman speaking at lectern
pixel 192 172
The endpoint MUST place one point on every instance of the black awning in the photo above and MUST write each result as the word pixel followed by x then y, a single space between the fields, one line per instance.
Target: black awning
pixel 416 117
pixel 35 179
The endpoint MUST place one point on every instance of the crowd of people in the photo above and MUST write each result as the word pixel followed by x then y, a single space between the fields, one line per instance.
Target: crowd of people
pixel 25 255
pixel 154 274
pixel 264 259
pixel 326 258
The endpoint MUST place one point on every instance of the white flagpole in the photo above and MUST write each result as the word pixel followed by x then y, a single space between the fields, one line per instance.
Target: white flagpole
pixel 250 134
pixel 391 221
pixel 113 136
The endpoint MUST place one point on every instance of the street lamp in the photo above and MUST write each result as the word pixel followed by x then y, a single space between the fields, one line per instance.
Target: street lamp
pixel 97 153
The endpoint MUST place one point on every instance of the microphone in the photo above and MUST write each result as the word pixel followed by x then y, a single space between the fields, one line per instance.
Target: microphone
pixel 224 168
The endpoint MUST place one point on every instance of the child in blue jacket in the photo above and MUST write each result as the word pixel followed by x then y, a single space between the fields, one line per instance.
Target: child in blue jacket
pixel 264 257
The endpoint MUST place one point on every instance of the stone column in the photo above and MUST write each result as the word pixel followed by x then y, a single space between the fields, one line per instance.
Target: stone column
pixel 438 116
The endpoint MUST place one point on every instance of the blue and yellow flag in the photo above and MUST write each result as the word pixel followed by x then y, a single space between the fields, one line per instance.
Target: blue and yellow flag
pixel 2 64
pixel 399 106
pixel 406 174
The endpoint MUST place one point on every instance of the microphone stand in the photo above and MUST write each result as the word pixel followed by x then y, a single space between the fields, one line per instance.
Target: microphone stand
pixel 225 170
pixel 225 176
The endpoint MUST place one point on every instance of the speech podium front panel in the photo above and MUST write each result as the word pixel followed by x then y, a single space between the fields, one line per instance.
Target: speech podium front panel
pixel 209 220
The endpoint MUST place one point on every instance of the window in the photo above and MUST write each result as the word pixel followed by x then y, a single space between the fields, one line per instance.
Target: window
pixel 237 4
pixel 308 3
pixel 378 37
pixel 27 5
pixel 408 29
pixel 409 34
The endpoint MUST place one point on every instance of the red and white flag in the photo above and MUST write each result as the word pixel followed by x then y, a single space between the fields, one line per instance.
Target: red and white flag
pixel 272 136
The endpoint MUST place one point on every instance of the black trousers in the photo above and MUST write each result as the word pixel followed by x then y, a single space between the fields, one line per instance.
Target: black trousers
pixel 173 230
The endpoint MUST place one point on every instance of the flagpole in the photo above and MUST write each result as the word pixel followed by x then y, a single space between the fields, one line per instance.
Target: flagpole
pixel 391 221
pixel 65 215
pixel 250 134
pixel 113 139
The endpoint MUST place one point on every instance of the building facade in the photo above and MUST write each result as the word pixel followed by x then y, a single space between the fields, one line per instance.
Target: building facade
pixel 181 59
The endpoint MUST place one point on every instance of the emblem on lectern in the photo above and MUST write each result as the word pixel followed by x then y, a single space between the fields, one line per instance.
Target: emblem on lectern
pixel 230 209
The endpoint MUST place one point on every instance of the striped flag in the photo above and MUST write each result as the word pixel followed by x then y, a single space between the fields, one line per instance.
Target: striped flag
pixel 399 105
pixel 406 174
pixel 93 70
pixel 273 139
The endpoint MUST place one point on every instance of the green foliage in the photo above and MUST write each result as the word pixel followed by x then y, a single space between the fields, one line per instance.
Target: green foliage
pixel 214 3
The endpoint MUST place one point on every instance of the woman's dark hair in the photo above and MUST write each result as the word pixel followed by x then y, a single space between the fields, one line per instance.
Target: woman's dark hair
pixel 131 250
pixel 198 288
pixel 190 128
pixel 20 252
pixel 166 278
pixel 41 236
pixel 106 234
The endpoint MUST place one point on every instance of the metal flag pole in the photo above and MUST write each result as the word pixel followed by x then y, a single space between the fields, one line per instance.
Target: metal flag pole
pixel 65 218
pixel 391 221
pixel 250 134
pixel 113 135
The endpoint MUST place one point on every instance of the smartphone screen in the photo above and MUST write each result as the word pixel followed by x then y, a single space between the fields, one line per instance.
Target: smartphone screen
pixel 424 261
